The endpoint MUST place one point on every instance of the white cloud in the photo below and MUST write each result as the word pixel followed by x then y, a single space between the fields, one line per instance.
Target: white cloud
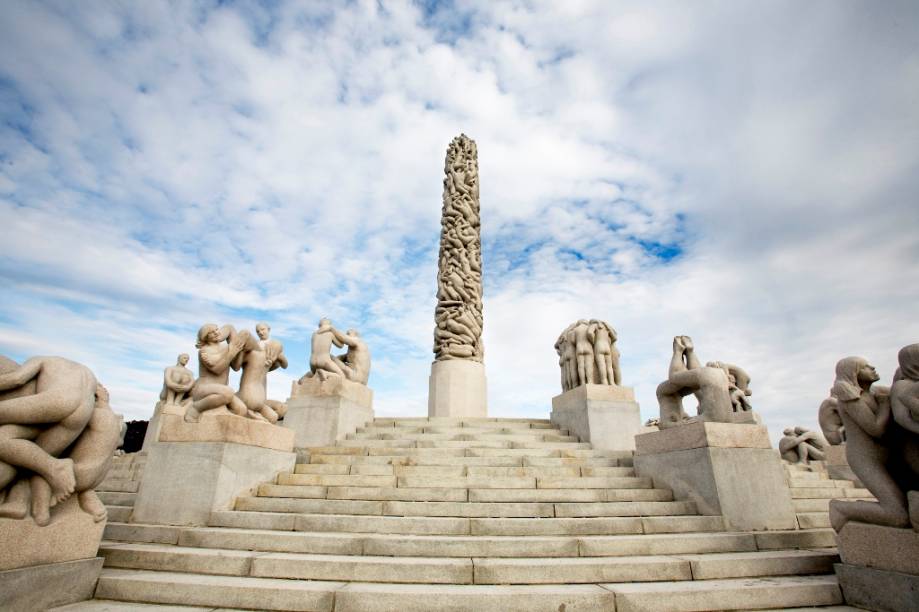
pixel 162 166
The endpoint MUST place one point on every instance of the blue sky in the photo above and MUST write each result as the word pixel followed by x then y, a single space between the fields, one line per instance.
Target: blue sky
pixel 743 172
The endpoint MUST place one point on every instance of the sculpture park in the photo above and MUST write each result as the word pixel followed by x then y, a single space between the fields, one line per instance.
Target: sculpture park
pixel 254 252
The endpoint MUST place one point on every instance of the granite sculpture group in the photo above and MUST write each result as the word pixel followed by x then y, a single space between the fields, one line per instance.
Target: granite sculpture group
pixel 587 354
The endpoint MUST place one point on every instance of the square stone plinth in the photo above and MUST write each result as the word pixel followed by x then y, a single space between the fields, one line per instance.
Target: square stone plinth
pixel 726 469
pixel 457 388
pixel 321 412
pixel 607 416
pixel 225 427
pixel 41 587
pixel 185 481
pixel 878 590
pixel 71 535
pixel 885 548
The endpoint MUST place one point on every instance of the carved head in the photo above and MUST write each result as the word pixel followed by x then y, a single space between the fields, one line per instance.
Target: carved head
pixel 263 330
pixel 352 332
pixel 324 322
pixel 788 431
pixel 208 334
pixel 851 374
pixel 183 359
pixel 909 362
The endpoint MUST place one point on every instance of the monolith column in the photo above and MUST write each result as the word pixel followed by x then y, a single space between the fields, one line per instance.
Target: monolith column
pixel 457 382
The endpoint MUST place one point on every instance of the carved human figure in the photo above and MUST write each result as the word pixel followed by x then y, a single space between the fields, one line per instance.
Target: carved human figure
pixel 738 385
pixel 800 446
pixel 904 407
pixel 565 356
pixel 686 375
pixel 830 421
pixel 603 337
pixel 865 413
pixel 177 382
pixel 584 351
pixel 256 360
pixel 357 359
pixel 217 350
pixel 92 457
pixel 44 406
pixel 322 363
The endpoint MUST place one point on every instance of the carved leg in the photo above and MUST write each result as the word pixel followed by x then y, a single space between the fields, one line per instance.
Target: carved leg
pixel 92 505
pixel 41 501
pixel 27 454
pixel 602 370
pixel 280 408
pixel 16 505
pixel 913 500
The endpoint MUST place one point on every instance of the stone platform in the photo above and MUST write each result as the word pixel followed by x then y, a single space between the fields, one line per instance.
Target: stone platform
pixel 457 388
pixel 465 514
pixel 606 416
pixel 321 412
pixel 880 567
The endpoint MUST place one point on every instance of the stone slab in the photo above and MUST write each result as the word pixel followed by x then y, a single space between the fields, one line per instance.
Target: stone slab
pixel 71 535
pixel 606 416
pixel 702 434
pixel 321 413
pixel 153 427
pixel 226 428
pixel 27 589
pixel 884 548
pixel 333 386
pixel 744 485
pixel 878 590
pixel 184 482
pixel 457 388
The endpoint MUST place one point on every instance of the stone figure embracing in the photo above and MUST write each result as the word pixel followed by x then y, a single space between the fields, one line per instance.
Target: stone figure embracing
pixel 588 354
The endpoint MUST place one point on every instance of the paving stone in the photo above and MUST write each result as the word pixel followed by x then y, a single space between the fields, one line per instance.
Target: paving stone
pixel 580 570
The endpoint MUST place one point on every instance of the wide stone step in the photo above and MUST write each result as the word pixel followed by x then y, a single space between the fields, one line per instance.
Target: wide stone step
pixel 795 538
pixel 118 485
pixel 761 563
pixel 119 514
pixel 569 495
pixel 730 594
pixel 431 546
pixel 812 520
pixel 179 588
pixel 795 483
pixel 335 480
pixel 467 526
pixel 452 460
pixel 114 498
pixel 461 495
pixel 828 493
pixel 526 435
pixel 463 470
pixel 485 422
pixel 441 429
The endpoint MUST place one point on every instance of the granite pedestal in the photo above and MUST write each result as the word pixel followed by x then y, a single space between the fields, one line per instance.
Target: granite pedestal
pixel 62 553
pixel 726 469
pixel 198 468
pixel 606 416
pixel 457 388
pixel 321 412
pixel 880 567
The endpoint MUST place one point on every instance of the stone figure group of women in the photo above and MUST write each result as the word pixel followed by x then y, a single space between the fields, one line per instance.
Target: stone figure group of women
pixel 587 354
pixel 880 428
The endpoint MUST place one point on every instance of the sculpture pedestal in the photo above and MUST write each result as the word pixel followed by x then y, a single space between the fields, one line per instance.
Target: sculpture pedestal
pixel 198 468
pixel 62 553
pixel 153 426
pixel 880 567
pixel 726 469
pixel 606 416
pixel 321 412
pixel 457 388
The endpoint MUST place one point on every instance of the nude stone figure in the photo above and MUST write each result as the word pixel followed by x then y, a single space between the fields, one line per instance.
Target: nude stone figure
pixel 603 337
pixel 177 382
pixel 44 406
pixel 584 351
pixel 358 356
pixel 904 407
pixel 256 361
pixel 217 349
pixel 830 421
pixel 800 446
pixel 686 375
pixel 322 363
pixel 865 414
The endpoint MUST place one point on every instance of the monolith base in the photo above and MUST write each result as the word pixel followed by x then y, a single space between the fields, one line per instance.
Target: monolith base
pixel 321 412
pixel 606 416
pixel 457 388
pixel 726 469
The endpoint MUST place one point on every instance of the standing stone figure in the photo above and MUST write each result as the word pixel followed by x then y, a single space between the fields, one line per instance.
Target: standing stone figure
pixel 256 361
pixel 217 350
pixel 587 354
pixel 177 382
pixel 458 315
pixel 800 446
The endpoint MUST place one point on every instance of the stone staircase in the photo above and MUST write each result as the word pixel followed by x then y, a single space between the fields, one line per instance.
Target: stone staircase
pixel 119 488
pixel 811 492
pixel 463 514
